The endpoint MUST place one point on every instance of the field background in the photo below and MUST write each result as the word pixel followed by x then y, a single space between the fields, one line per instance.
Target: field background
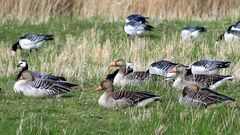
pixel 88 36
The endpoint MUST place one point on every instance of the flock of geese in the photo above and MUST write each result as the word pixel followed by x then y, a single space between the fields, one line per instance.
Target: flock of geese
pixel 195 83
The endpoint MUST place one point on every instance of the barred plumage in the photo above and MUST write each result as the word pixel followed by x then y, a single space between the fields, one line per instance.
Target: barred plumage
pixel 192 32
pixel 134 28
pixel 161 67
pixel 137 17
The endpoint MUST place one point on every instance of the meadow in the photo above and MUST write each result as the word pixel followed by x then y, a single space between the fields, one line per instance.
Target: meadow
pixel 81 52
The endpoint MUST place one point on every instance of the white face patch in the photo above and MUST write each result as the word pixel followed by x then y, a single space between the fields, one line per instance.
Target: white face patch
pixel 129 65
pixel 22 64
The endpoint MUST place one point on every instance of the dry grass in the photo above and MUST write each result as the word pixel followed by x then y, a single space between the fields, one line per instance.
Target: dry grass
pixel 110 9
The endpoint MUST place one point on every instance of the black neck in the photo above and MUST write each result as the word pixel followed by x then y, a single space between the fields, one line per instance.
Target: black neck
pixel 23 69
pixel 15 46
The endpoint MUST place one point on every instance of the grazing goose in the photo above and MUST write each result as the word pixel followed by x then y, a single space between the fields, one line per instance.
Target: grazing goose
pixel 134 28
pixel 236 26
pixel 162 68
pixel 123 98
pixel 193 95
pixel 29 42
pixel 132 78
pixel 210 67
pixel 203 81
pixel 137 17
pixel 24 65
pixel 192 32
pixel 112 76
pixel 232 34
pixel 35 87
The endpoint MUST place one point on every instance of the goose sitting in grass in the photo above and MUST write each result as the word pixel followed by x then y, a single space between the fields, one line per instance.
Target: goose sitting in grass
pixel 123 98
pixel 137 17
pixel 129 69
pixel 192 95
pixel 24 65
pixel 231 35
pixel 192 32
pixel 29 42
pixel 203 81
pixel 42 88
pixel 210 67
pixel 122 77
pixel 134 28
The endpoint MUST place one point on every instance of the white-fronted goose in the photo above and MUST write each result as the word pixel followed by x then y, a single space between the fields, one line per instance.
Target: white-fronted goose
pixel 24 65
pixel 122 78
pixel 123 98
pixel 137 17
pixel 203 81
pixel 210 67
pixel 134 28
pixel 192 95
pixel 29 42
pixel 192 32
pixel 30 86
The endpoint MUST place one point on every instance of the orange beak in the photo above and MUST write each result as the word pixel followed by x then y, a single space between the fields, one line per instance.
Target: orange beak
pixel 112 64
pixel 173 70
pixel 99 88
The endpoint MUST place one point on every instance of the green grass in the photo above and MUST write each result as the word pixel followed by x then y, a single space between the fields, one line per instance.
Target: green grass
pixel 81 52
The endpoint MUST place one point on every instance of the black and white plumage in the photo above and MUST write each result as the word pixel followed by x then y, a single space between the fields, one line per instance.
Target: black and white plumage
pixel 210 67
pixel 232 34
pixel 124 98
pixel 192 32
pixel 137 17
pixel 162 68
pixel 134 28
pixel 29 42
pixel 41 75
pixel 112 75
pixel 192 96
pixel 42 88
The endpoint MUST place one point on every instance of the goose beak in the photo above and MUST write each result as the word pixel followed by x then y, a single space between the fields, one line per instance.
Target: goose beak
pixel 112 64
pixel 173 70
pixel 99 88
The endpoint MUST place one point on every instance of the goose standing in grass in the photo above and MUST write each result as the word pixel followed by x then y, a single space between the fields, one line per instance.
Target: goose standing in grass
pixel 193 95
pixel 42 88
pixel 210 67
pixel 29 42
pixel 192 32
pixel 137 17
pixel 203 81
pixel 24 65
pixel 122 78
pixel 162 68
pixel 134 28
pixel 123 98
pixel 232 34
pixel 111 77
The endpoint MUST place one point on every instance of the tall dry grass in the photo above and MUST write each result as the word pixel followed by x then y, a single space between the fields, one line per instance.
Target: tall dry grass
pixel 115 9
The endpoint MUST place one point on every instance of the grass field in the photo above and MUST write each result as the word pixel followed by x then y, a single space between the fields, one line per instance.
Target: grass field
pixel 81 51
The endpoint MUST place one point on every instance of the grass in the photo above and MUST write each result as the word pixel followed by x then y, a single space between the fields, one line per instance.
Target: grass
pixel 81 51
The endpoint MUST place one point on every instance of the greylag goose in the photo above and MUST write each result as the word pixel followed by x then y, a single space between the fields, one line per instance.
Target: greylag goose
pixel 137 17
pixel 122 78
pixel 192 32
pixel 192 95
pixel 134 28
pixel 24 65
pixel 35 87
pixel 210 67
pixel 112 76
pixel 29 42
pixel 203 81
pixel 123 98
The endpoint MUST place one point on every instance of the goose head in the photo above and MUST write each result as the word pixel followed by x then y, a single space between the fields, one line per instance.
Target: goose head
pixel 118 63
pixel 180 70
pixel 107 84
pixel 22 64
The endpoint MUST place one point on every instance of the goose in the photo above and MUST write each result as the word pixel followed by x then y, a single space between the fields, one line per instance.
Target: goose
pixel 137 17
pixel 210 67
pixel 29 42
pixel 134 28
pixel 203 81
pixel 236 26
pixel 123 98
pixel 42 88
pixel 192 95
pixel 122 78
pixel 41 75
pixel 232 34
pixel 192 32
pixel 162 68
pixel 112 75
